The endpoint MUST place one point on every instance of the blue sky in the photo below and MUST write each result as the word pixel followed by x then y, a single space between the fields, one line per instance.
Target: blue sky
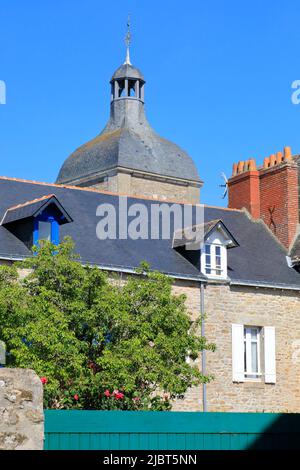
pixel 218 74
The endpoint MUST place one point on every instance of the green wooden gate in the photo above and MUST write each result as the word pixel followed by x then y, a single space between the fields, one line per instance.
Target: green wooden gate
pixel 134 430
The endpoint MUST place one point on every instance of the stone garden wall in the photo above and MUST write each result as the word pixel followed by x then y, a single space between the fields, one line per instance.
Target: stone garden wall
pixel 21 410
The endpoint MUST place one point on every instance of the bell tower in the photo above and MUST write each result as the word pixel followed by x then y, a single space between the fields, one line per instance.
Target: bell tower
pixel 130 85
pixel 128 156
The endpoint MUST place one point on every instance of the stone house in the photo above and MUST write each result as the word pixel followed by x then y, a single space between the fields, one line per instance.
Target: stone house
pixel 241 268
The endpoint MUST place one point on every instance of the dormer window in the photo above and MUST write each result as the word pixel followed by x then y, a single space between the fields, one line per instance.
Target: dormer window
pixel 37 219
pixel 46 227
pixel 214 260
pixel 205 246
pixel 217 240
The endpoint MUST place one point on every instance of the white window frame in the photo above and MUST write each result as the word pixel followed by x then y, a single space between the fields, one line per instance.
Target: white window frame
pixel 216 240
pixel 249 373
pixel 266 354
pixel 216 271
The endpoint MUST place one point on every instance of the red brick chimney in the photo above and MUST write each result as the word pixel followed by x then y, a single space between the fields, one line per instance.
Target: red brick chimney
pixel 269 192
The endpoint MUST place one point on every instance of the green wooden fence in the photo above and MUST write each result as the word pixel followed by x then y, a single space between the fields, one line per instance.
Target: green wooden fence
pixel 134 430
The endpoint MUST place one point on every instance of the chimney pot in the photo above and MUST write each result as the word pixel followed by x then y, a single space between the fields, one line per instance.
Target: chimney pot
pixel 240 167
pixel 234 169
pixel 279 157
pixel 272 160
pixel 266 162
pixel 252 164
pixel 287 154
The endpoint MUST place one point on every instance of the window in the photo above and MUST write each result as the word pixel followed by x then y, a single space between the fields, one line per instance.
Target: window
pixel 44 230
pixel 214 260
pixel 208 259
pixel 252 368
pixel 218 260
pixel 253 353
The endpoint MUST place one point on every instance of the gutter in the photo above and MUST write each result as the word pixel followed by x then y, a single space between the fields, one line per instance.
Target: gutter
pixel 269 285
pixel 14 258
pixel 129 270
pixel 113 268
pixel 133 271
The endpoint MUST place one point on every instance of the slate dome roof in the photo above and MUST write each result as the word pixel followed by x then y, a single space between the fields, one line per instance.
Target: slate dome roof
pixel 128 141
pixel 128 148
pixel 127 71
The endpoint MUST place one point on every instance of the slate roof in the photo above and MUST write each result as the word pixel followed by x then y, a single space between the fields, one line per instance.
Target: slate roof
pixel 259 258
pixel 33 208
pixel 138 149
pixel 127 71
pixel 128 141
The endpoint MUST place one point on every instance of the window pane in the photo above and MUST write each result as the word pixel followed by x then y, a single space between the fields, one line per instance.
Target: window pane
pixel 207 259
pixel 218 260
pixel 253 334
pixel 44 231
pixel 207 249
pixel 254 358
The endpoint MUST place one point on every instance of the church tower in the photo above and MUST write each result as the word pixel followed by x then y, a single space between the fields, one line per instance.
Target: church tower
pixel 128 156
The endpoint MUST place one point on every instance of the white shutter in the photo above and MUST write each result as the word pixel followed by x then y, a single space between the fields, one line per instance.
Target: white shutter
pixel 270 354
pixel 238 374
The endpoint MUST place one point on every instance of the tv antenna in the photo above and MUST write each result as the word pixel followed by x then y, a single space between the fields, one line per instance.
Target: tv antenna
pixel 224 185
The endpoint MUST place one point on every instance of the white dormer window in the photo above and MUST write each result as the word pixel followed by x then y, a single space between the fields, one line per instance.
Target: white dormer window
pixel 213 239
pixel 214 260
pixel 214 253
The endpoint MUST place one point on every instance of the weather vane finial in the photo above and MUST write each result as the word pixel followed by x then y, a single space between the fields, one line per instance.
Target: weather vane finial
pixel 128 41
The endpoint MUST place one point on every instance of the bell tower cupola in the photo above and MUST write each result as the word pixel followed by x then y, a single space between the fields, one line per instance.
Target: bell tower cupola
pixel 127 81
pixel 128 156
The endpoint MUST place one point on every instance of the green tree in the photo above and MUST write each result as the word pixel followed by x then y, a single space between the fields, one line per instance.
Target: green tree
pixel 98 342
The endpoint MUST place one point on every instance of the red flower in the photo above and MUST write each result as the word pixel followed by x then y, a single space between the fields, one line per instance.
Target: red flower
pixel 107 393
pixel 76 397
pixel 119 396
pixel 44 380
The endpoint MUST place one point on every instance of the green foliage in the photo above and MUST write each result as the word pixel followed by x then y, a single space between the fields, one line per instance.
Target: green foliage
pixel 98 343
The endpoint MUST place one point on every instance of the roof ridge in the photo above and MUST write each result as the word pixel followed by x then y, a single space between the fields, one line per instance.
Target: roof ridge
pixel 112 193
pixel 94 190
pixel 32 201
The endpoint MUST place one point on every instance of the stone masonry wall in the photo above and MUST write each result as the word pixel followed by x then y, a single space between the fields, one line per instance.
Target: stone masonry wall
pixel 225 305
pixel 21 410
pixel 165 191
pixel 192 401
pixel 130 185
